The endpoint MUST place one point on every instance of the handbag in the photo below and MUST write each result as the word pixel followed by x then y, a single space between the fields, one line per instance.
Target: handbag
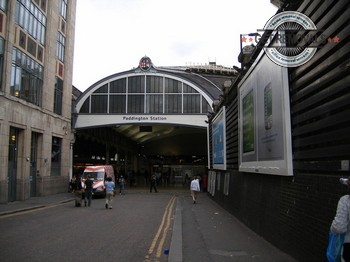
pixel 335 245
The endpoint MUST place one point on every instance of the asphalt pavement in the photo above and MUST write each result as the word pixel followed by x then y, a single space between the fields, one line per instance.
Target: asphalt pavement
pixel 201 232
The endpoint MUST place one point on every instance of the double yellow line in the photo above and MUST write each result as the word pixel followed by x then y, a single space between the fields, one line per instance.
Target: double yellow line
pixel 163 227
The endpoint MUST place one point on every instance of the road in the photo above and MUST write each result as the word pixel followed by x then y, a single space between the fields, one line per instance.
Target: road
pixel 138 228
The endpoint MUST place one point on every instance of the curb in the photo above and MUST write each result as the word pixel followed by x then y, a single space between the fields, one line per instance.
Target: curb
pixel 4 213
pixel 175 252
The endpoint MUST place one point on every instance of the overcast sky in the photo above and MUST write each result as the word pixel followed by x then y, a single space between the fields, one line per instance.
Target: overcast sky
pixel 113 35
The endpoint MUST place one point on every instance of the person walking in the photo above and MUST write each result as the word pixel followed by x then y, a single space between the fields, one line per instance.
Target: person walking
pixel 121 185
pixel 341 222
pixel 194 189
pixel 88 190
pixel 110 187
pixel 146 176
pixel 153 183
pixel 77 190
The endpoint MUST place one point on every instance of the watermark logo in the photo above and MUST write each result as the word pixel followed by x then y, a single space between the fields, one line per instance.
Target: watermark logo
pixel 293 41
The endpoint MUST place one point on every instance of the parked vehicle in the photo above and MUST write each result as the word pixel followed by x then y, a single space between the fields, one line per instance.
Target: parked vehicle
pixel 99 175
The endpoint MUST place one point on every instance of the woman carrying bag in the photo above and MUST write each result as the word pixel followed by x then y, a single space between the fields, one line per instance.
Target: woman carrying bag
pixel 339 235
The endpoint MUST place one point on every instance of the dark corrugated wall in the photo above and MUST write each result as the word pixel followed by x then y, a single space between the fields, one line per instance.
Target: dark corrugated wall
pixel 294 213
pixel 320 94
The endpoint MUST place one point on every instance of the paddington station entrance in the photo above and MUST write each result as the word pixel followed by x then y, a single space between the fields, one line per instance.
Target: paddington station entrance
pixel 148 118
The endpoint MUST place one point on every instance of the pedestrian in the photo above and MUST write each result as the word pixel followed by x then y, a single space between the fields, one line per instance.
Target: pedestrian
pixel 71 184
pixel 341 224
pixel 145 174
pixel 121 185
pixel 194 189
pixel 88 190
pixel 153 183
pixel 77 190
pixel 158 174
pixel 186 179
pixel 110 187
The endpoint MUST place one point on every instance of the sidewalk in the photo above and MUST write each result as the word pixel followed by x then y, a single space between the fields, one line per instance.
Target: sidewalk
pixel 211 234
pixel 201 232
pixel 35 202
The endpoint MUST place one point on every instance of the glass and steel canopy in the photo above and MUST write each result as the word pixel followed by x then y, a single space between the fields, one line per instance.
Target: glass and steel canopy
pixel 145 94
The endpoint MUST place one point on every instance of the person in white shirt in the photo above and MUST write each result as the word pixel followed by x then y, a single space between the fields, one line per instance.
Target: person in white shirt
pixel 194 189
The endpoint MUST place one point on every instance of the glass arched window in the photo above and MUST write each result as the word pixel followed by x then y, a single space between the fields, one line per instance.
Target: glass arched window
pixel 117 96
pixel 146 94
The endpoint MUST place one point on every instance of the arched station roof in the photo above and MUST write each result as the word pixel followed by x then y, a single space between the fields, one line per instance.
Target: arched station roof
pixel 148 95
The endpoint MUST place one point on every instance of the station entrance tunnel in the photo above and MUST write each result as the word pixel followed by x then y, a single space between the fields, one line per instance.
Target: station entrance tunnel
pixel 171 150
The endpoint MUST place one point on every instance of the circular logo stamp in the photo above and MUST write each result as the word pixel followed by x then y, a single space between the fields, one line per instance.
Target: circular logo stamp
pixel 290 43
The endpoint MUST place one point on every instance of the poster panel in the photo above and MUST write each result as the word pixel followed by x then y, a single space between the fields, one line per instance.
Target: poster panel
pixel 264 125
pixel 219 140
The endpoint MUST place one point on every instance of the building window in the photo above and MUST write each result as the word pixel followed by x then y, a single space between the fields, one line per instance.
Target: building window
pixel 205 106
pixel 191 104
pixel 26 78
pixel 42 4
pixel 172 86
pixel 85 108
pixel 154 84
pixel 154 104
pixel 3 5
pixel 58 97
pixel 118 86
pixel 31 19
pixel 136 104
pixel 63 9
pixel 99 104
pixel 60 46
pixel 146 95
pixel 56 156
pixel 173 103
pixel 136 84
pixel 117 104
pixel 2 44
pixel 61 40
pixel 191 100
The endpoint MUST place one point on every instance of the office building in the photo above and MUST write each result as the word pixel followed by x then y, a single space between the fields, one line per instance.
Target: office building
pixel 36 62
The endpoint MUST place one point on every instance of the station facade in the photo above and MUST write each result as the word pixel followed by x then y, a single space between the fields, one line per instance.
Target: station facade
pixel 149 117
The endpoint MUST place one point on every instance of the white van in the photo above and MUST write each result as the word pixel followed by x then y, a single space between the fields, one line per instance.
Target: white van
pixel 99 175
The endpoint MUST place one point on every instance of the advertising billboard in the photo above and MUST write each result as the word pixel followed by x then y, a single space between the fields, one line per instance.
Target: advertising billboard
pixel 264 124
pixel 219 140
